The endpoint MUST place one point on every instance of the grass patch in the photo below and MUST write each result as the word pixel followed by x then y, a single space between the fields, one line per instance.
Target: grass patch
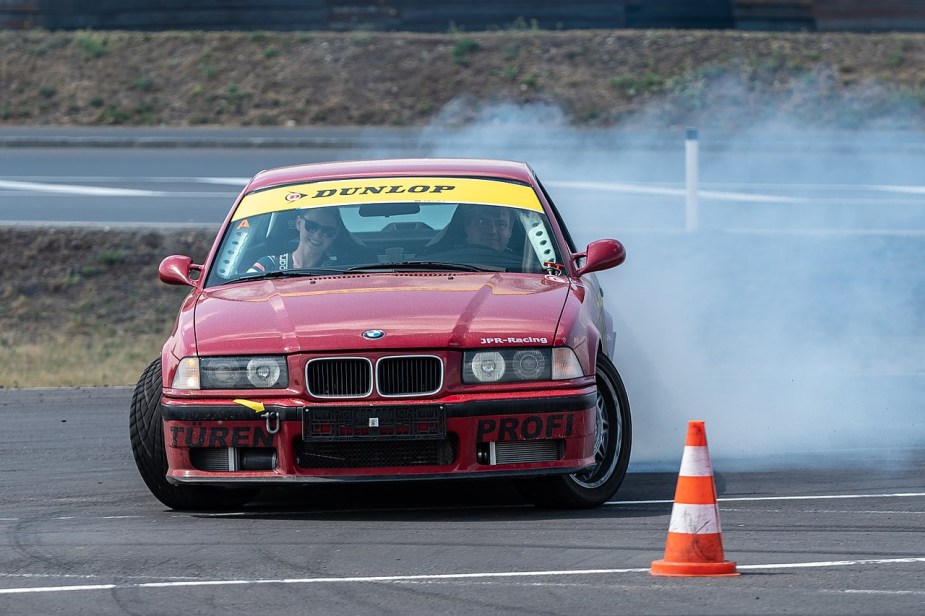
pixel 632 85
pixel 113 114
pixel 897 56
pixel 462 49
pixel 522 25
pixel 92 45
pixel 77 361
pixel 363 39
pixel 143 84
pixel 110 256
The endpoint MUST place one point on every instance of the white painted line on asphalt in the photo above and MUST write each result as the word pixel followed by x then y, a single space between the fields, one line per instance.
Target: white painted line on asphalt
pixel 836 563
pixel 914 190
pixel 778 498
pixel 224 181
pixel 92 224
pixel 716 195
pixel 827 232
pixel 73 189
pixel 432 577
pixel 679 192
pixel 883 592
pixel 821 497
pixel 148 194
pixel 609 503
pixel 39 589
pixel 619 187
pixel 96 179
pixel 655 188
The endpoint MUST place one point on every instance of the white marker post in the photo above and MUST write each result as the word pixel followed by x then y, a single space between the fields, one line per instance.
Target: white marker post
pixel 691 181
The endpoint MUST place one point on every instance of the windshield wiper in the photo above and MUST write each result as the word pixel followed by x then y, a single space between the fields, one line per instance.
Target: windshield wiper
pixel 424 266
pixel 290 273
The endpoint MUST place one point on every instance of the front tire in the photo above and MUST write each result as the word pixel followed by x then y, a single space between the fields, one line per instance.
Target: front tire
pixel 146 430
pixel 592 487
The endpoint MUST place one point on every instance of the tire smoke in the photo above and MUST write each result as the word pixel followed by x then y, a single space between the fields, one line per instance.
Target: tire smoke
pixel 791 321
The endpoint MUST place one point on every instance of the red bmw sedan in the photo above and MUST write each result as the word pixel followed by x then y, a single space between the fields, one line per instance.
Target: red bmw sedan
pixel 387 320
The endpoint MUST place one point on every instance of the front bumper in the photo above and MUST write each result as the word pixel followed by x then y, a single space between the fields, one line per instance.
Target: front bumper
pixel 217 442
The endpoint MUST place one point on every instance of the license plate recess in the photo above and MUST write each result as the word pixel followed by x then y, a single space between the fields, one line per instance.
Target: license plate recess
pixel 363 423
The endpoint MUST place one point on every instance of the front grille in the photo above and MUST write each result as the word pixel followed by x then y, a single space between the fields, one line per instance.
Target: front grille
pixel 376 454
pixel 341 377
pixel 396 376
pixel 410 375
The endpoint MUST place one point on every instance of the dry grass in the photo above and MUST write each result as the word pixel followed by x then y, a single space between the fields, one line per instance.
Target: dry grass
pixel 86 306
pixel 70 361
pixel 597 77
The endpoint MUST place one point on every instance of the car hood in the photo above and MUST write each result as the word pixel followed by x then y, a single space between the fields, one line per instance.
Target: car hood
pixel 415 310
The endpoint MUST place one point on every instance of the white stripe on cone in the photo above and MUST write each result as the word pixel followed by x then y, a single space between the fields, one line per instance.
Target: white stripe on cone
pixel 696 462
pixel 694 519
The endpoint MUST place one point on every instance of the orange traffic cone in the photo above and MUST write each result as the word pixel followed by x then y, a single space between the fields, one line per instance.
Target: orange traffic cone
pixel 695 541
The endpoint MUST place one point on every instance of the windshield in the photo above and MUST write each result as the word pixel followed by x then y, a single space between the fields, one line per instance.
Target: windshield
pixel 316 229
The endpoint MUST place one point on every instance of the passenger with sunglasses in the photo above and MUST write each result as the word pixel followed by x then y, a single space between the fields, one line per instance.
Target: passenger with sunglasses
pixel 318 228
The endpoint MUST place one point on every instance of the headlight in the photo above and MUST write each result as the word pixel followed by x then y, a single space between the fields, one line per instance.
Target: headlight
pixel 265 372
pixel 484 367
pixel 514 365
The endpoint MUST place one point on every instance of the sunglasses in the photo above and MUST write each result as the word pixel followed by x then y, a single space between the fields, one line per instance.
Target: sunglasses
pixel 313 227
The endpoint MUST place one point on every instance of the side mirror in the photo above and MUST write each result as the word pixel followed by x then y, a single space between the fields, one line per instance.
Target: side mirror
pixel 601 255
pixel 176 269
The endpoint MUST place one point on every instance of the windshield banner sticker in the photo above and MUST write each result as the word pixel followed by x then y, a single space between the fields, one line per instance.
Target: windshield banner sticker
pixel 389 190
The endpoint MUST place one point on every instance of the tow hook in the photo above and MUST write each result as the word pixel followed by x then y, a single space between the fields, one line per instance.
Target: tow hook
pixel 272 421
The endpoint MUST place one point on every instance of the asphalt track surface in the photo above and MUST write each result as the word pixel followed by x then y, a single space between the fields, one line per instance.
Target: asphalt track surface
pixel 82 535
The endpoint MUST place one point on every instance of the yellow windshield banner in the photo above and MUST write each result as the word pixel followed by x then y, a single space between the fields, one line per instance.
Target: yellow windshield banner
pixel 388 190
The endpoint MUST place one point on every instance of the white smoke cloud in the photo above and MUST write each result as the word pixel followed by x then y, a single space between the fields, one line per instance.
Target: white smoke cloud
pixel 791 323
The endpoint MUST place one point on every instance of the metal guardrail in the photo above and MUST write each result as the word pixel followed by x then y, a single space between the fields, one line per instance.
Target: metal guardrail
pixel 462 15
pixel 408 15
pixel 19 14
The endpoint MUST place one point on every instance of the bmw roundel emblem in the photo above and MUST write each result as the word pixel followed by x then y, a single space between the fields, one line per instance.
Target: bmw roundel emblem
pixel 373 334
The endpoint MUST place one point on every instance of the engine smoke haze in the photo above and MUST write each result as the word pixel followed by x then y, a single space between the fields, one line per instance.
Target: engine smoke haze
pixel 791 321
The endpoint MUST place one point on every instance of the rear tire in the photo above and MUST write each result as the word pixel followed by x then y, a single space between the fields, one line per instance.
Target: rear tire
pixel 146 429
pixel 594 486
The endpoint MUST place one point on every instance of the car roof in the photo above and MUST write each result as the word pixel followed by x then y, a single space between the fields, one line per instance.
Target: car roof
pixel 398 167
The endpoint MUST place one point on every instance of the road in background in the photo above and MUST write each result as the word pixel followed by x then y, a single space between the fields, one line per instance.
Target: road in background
pixel 632 180
pixel 80 534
